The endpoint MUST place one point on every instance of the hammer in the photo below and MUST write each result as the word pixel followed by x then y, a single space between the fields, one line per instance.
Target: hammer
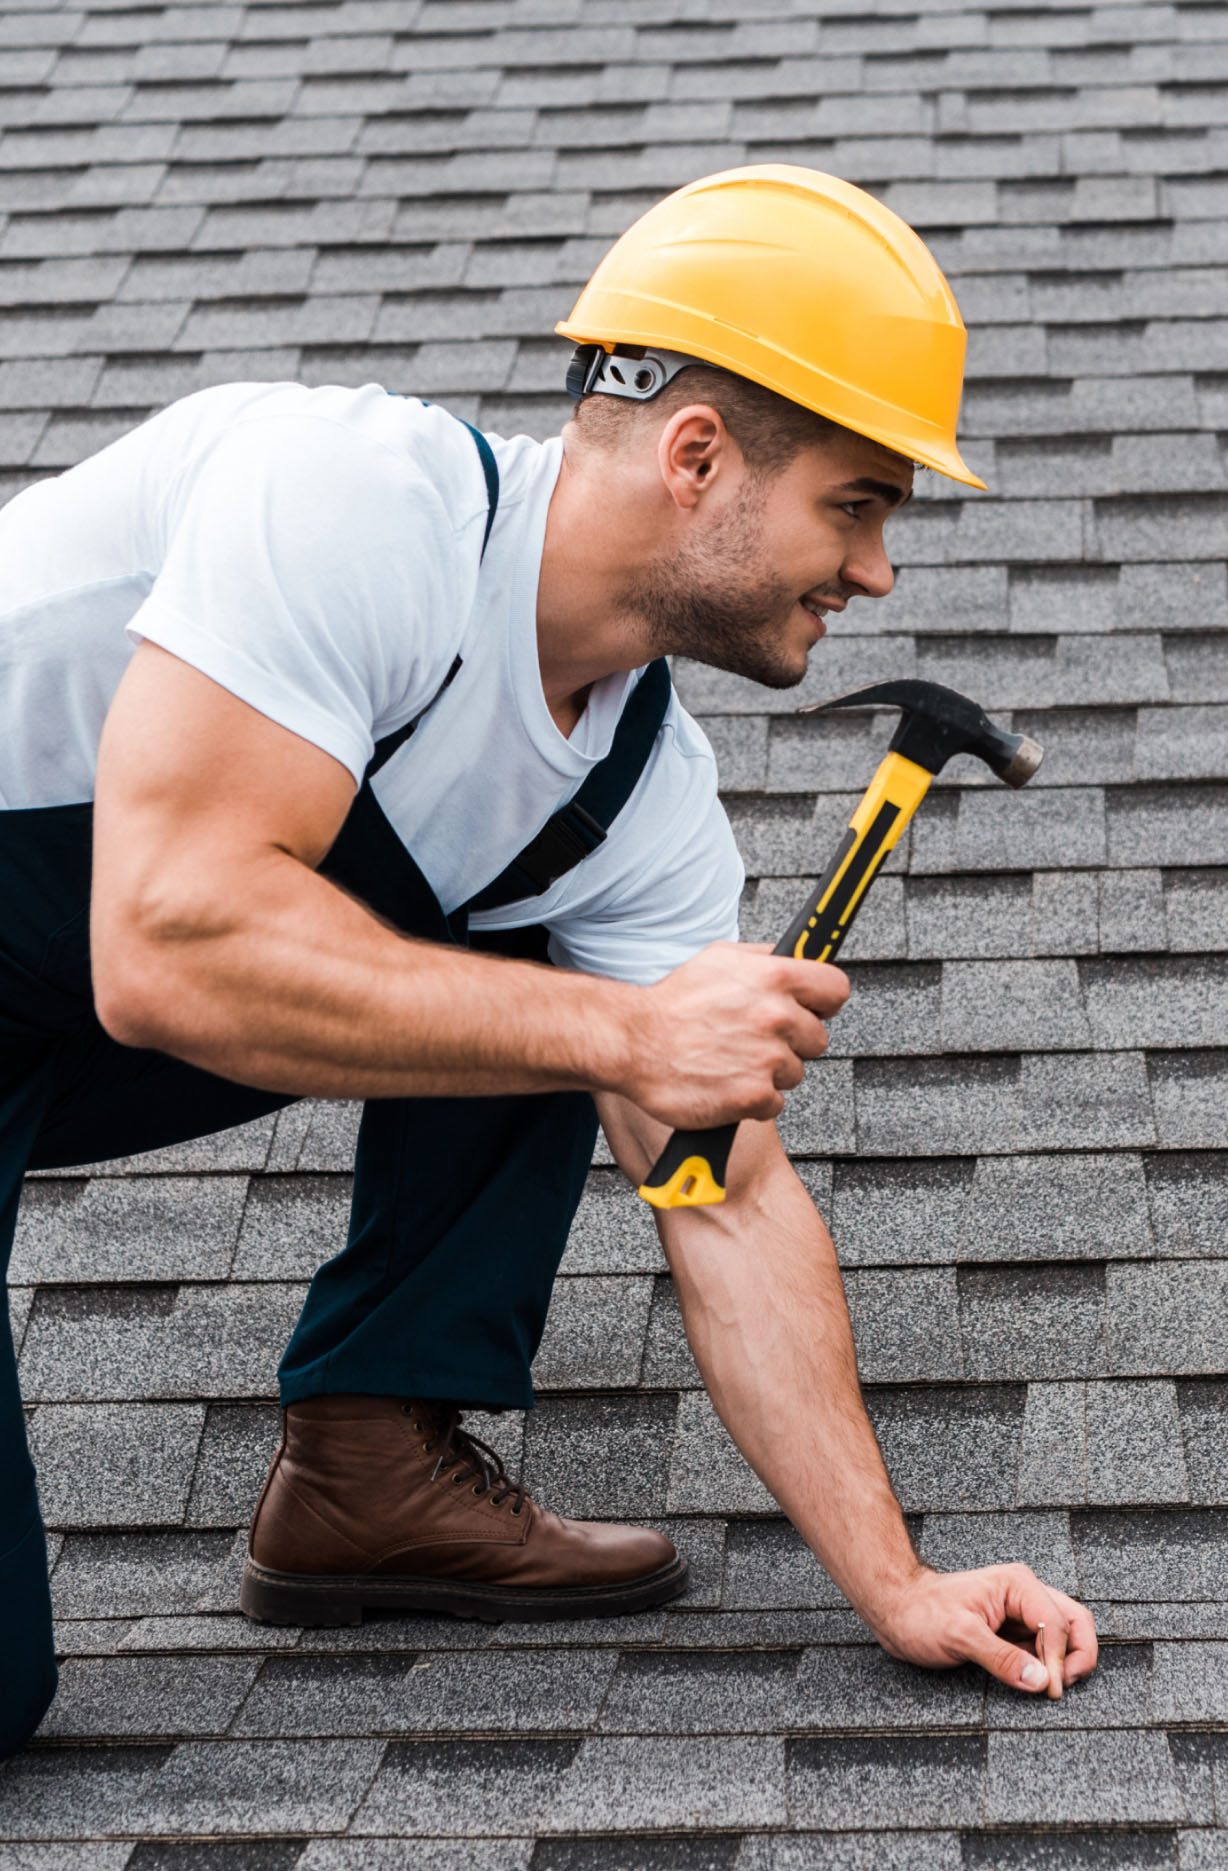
pixel 935 724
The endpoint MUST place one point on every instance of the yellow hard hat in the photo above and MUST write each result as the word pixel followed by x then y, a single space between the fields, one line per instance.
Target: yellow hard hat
pixel 801 282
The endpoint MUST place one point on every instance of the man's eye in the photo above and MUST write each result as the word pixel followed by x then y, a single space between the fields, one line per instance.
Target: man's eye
pixel 853 508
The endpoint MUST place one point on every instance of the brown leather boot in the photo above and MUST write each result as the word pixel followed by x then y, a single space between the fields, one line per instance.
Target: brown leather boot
pixel 375 1504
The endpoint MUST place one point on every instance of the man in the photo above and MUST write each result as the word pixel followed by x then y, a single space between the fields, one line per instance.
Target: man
pixel 328 683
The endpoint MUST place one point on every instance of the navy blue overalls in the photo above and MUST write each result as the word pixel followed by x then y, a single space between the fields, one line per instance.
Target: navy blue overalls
pixel 461 1206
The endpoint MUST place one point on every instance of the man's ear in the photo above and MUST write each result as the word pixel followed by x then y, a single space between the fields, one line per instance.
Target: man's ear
pixel 692 450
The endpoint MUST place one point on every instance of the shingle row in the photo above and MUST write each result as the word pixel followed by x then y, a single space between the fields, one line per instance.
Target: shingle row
pixel 640 1692
pixel 622 1784
pixel 1111 1205
pixel 981 831
pixel 1043 1426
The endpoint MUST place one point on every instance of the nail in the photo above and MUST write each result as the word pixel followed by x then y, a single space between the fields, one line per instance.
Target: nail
pixel 1035 1675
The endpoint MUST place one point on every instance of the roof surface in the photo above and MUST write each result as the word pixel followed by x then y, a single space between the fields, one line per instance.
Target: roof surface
pixel 1019 1134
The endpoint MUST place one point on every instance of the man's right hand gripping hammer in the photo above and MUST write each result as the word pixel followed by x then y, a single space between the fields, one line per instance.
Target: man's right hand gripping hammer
pixel 935 725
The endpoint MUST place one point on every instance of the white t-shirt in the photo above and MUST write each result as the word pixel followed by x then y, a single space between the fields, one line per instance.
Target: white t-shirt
pixel 318 554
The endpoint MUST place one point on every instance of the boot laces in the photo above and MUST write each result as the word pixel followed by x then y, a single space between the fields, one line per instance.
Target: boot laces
pixel 471 1457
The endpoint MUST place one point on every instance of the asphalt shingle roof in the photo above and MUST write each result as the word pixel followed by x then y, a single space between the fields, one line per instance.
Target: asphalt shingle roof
pixel 1019 1136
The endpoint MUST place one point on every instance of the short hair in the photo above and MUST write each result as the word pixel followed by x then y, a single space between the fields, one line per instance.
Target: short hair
pixel 770 431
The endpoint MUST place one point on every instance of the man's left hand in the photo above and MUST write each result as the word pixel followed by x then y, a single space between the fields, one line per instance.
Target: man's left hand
pixel 992 1617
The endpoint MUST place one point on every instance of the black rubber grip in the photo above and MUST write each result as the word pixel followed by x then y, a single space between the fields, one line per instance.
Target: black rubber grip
pixel 710 1146
pixel 825 925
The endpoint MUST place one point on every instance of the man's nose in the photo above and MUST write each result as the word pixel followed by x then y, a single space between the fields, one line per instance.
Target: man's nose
pixel 869 569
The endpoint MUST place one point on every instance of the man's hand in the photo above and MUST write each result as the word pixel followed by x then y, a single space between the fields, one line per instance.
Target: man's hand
pixel 727 1034
pixel 992 1617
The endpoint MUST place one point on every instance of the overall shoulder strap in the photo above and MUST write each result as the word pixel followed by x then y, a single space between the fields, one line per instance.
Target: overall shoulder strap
pixel 385 748
pixel 578 828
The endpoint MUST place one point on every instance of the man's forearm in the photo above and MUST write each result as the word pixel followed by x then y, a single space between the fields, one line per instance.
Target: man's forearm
pixel 766 1317
pixel 296 987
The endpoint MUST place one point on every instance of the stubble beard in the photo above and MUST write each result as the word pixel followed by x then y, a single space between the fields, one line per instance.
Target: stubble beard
pixel 703 603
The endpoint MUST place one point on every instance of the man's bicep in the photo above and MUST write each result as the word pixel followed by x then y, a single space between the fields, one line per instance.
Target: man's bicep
pixel 190 776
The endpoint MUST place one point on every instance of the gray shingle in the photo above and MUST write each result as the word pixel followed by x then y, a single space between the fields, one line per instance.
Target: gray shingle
pixel 861 1687
pixel 261 1786
pixel 948 1449
pixel 1053 1457
pixel 502 1854
pixel 1046 598
pixel 1175 596
pixel 1032 1322
pixel 1167 825
pixel 956 1542
pixel 936 1107
pixel 20 1299
pixel 1012 1006
pixel 632 1784
pixel 1082 745
pixel 149 1696
pixel 93 1790
pixel 1151 1555
pixel 740 743
pixel 134 1228
pixel 1169 1316
pixel 707 1474
pixel 90 1856
pixel 1132 911
pixel 601 1456
pixel 595 1331
pixel 1196 674
pixel 1060 827
pixel 943 1107
pixel 1189 1203
pixel 1190 1683
pixel 818 1118
pixel 690 1693
pixel 1190 1095
pixel 613 1231
pixel 905 1324
pixel 897 1212
pixel 667 1356
pixel 767 1565
pixel 982 916
pixel 891 1010
pixel 908 1781
pixel 1173 1001
pixel 1056 1207
pixel 1134 1449
pixel 115 1464
pixel 1117 1696
pixel 1113 1776
pixel 468 1786
pixel 142 1574
pixel 1195 905
pixel 1203 1407
pixel 200 1340
pixel 291 1225
pixel 235 1452
pixel 518 1691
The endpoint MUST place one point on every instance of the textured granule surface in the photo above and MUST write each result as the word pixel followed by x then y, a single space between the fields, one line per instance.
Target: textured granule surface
pixel 1018 1136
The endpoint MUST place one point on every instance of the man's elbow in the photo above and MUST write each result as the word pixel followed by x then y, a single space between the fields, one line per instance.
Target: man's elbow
pixel 140 967
pixel 129 1009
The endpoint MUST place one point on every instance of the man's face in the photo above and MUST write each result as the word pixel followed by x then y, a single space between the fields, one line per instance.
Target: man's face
pixel 751 583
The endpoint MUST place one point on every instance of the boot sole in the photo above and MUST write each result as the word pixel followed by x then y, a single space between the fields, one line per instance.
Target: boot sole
pixel 298 1598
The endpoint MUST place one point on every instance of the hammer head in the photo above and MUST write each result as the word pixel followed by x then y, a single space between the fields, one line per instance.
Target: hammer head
pixel 937 723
